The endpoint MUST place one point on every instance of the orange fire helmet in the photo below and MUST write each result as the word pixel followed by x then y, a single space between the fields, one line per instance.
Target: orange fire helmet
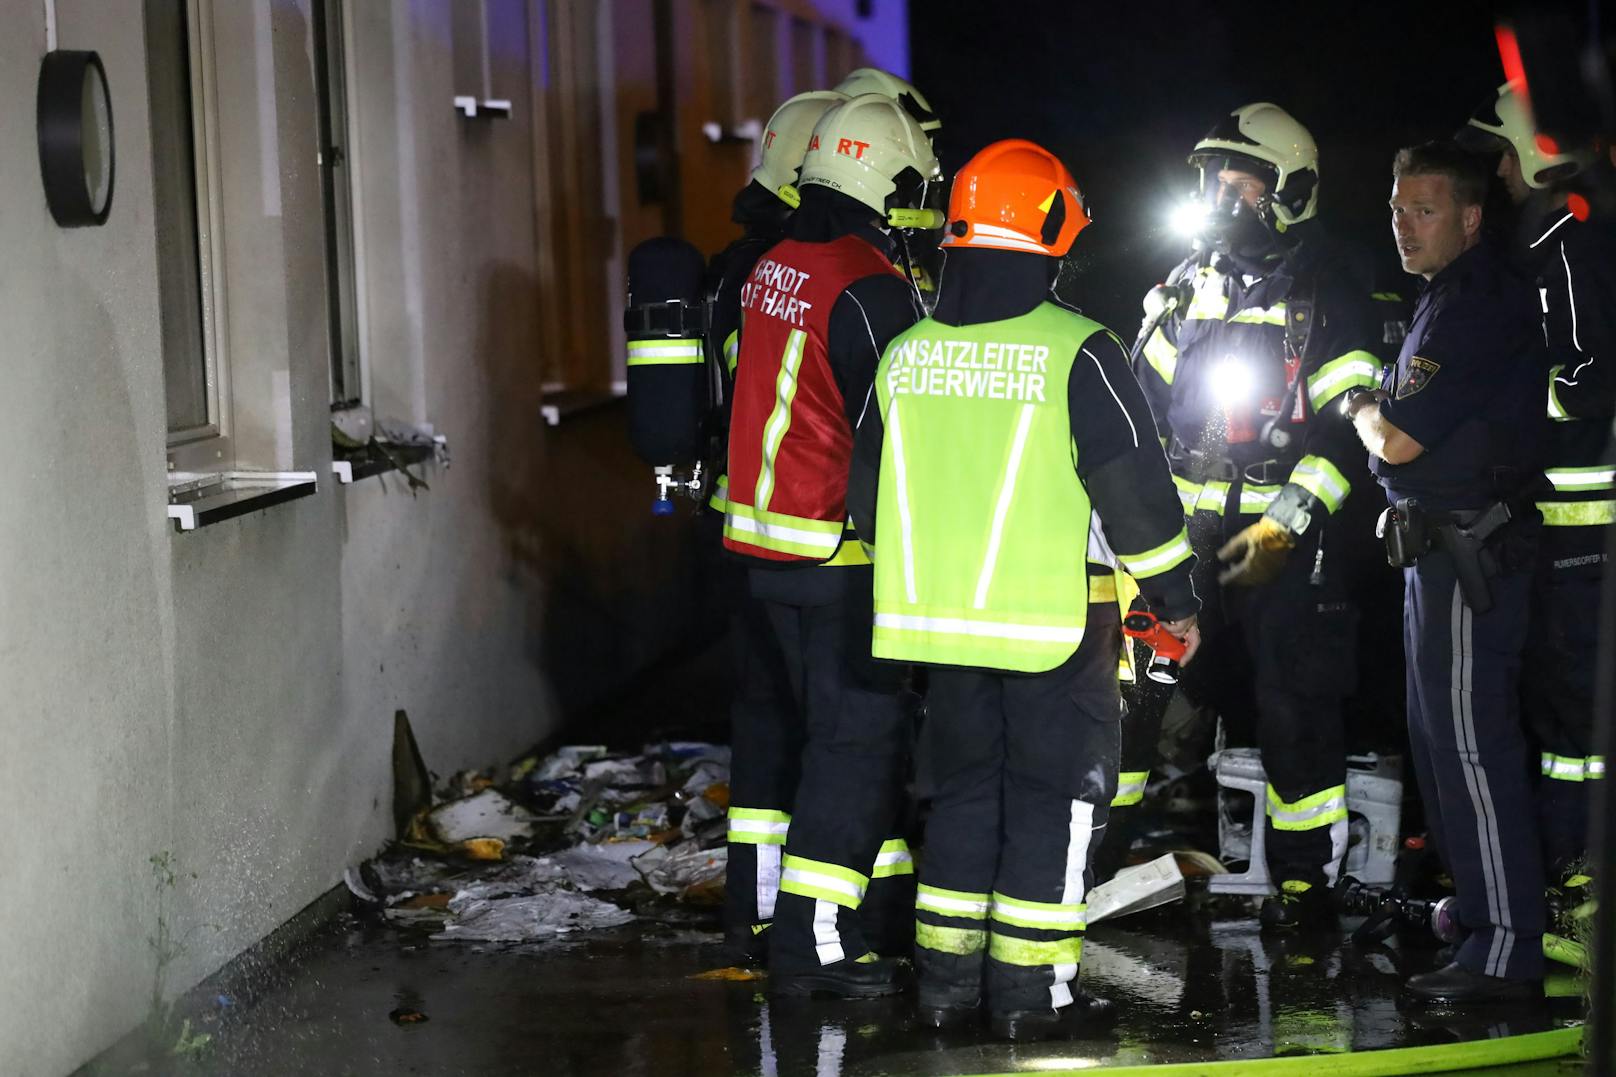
pixel 1015 196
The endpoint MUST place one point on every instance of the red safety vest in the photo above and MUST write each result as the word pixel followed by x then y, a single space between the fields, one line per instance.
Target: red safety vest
pixel 790 444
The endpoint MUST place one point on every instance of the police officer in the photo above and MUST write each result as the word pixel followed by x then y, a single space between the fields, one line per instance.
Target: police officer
pixel 1255 340
pixel 1574 267
pixel 1453 435
pixel 818 309
pixel 765 733
pixel 1003 433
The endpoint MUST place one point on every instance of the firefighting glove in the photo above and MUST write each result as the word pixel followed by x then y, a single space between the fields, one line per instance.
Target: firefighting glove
pixel 1257 554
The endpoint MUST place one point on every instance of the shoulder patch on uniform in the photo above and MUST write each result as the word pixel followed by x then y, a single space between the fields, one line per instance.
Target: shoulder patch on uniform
pixel 1420 373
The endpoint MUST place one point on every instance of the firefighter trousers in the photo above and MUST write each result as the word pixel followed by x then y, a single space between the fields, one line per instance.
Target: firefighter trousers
pixel 840 842
pixel 766 741
pixel 1557 699
pixel 1470 757
pixel 1025 769
pixel 1276 662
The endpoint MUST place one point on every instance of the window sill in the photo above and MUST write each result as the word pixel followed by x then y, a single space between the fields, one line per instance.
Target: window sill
pixel 566 403
pixel 196 500
pixel 373 459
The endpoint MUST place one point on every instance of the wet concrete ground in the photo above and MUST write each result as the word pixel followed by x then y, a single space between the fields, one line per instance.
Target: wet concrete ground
pixel 621 1003
pixel 1193 983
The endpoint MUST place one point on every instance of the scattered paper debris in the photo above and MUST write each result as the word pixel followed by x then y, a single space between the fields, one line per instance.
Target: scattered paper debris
pixel 1137 888
pixel 488 814
pixel 529 919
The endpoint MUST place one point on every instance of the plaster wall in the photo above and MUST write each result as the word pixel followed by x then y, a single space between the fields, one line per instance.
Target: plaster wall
pixel 225 696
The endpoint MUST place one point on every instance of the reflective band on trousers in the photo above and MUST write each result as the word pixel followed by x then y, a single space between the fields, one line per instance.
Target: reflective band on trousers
pixel 757 826
pixel 1323 480
pixel 1568 768
pixel 664 352
pixel 1577 513
pixel 950 940
pixel 1311 812
pixel 1027 953
pixel 1047 916
pixel 893 859
pixel 821 881
pixel 1173 552
pixel 1354 370
pixel 1130 788
pixel 951 902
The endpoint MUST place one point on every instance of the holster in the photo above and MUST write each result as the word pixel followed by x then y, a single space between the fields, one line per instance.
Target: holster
pixel 1410 532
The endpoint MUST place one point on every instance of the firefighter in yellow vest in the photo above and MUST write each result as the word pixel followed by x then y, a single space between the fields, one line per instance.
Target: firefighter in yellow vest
pixel 1006 463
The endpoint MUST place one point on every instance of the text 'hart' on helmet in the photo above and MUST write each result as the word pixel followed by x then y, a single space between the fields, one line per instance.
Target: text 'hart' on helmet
pixel 785 141
pixel 870 149
pixel 1265 133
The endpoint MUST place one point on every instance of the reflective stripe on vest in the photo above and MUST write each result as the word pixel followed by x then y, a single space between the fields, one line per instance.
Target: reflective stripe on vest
pixel 980 505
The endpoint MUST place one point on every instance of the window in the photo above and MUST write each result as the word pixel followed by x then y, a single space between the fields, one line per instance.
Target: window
pixel 805 68
pixel 336 186
pixel 229 405
pixel 195 367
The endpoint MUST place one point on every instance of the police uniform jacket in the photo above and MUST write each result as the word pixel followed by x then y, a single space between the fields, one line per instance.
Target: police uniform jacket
pixel 1467 386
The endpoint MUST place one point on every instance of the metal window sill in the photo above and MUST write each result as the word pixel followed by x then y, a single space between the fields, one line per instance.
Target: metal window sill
pixel 367 461
pixel 197 500
pixel 566 403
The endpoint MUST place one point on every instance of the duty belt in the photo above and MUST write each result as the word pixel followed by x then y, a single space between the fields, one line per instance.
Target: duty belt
pixel 1411 532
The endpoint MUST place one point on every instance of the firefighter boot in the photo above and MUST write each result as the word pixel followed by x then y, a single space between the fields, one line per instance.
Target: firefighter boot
pixel 864 977
pixel 1298 906
pixel 1088 1015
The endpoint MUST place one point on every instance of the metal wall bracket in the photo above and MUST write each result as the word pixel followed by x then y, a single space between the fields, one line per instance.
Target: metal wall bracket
pixel 487 107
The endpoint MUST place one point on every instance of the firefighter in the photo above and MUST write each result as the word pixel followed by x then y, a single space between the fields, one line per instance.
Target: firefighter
pixel 917 252
pixel 1260 334
pixel 1453 434
pixel 1000 433
pixel 873 80
pixel 818 309
pixel 1574 268
pixel 765 730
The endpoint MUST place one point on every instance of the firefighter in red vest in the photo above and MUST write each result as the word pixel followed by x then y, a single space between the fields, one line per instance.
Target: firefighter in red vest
pixel 817 312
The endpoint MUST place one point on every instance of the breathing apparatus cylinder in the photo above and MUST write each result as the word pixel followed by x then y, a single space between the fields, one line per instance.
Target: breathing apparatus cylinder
pixel 670 392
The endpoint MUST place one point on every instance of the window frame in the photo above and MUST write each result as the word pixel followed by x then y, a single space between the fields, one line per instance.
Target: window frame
pixel 206 447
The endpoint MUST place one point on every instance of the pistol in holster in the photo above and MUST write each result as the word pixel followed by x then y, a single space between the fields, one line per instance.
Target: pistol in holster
pixel 1410 532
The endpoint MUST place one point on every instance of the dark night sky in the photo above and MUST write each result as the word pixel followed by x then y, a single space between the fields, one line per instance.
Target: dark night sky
pixel 1122 92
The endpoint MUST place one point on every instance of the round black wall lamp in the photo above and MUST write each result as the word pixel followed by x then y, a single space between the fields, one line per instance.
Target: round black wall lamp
pixel 75 137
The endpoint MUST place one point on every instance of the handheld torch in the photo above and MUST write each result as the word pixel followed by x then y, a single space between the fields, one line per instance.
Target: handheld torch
pixel 1168 649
